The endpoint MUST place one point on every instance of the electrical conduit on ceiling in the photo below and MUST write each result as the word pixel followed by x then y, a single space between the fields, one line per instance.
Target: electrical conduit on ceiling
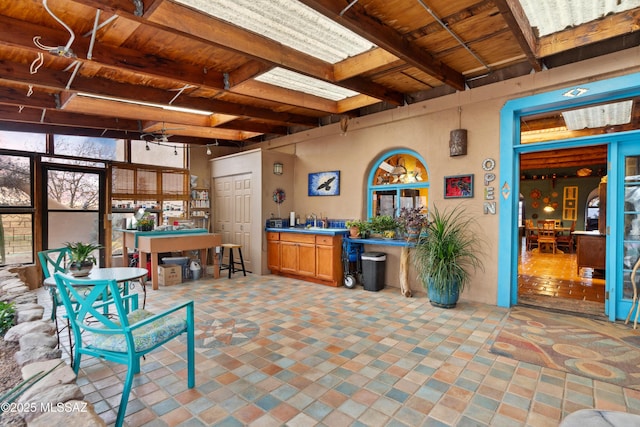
pixel 454 35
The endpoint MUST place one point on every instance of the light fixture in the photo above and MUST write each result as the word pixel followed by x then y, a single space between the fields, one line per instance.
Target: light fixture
pixel 208 151
pixel 277 168
pixel 550 205
pixel 458 139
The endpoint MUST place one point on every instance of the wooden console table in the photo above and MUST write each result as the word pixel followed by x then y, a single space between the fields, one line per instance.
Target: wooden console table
pixel 157 242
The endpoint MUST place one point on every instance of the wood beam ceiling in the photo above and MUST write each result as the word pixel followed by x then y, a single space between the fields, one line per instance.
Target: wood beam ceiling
pixel 357 20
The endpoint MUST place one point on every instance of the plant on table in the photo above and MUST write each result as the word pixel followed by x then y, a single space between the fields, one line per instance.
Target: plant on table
pixel 412 221
pixel 146 222
pixel 385 225
pixel 446 253
pixel 81 258
pixel 358 228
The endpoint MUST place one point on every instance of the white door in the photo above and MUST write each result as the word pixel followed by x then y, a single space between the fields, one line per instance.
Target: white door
pixel 232 212
pixel 222 197
pixel 241 225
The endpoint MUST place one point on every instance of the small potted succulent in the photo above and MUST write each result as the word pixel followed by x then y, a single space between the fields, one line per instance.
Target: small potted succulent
pixel 358 228
pixel 81 258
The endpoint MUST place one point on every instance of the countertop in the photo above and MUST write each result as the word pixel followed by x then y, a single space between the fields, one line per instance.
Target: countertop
pixel 343 232
pixel 312 230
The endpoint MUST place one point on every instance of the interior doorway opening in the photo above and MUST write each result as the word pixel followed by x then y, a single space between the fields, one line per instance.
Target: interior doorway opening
pixel 557 187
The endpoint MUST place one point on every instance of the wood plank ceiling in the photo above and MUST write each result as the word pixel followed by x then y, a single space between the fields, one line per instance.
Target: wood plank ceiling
pixel 161 52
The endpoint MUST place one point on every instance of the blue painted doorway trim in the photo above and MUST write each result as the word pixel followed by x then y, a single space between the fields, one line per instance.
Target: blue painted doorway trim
pixel 510 149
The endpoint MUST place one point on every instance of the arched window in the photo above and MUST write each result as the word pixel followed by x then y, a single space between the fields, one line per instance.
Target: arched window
pixel 398 179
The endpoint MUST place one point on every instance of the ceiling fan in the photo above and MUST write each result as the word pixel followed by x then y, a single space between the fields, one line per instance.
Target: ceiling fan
pixel 157 137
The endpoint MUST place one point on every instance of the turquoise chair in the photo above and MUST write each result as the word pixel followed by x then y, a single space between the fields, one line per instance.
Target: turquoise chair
pixel 54 261
pixel 121 336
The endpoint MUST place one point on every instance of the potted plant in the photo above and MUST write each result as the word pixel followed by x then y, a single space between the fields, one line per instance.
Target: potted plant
pixel 444 255
pixel 384 226
pixel 81 259
pixel 146 223
pixel 357 228
pixel 412 221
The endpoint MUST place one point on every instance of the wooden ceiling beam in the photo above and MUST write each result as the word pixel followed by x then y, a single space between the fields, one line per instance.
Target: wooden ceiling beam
pixel 553 159
pixel 185 22
pixel 269 92
pixel 20 34
pixel 357 20
pixel 608 27
pixel 519 25
pixel 64 118
pixel 366 62
pixel 57 80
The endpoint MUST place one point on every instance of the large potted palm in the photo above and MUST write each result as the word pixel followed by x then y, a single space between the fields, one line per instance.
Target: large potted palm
pixel 446 253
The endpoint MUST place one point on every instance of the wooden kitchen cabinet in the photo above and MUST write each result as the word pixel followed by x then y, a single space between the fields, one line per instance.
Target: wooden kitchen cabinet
pixel 273 251
pixel 328 258
pixel 297 254
pixel 311 257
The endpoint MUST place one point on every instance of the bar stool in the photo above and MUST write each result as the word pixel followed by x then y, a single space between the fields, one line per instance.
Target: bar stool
pixel 231 266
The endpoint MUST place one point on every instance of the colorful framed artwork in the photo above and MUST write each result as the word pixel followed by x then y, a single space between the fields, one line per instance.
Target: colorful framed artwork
pixel 458 186
pixel 324 183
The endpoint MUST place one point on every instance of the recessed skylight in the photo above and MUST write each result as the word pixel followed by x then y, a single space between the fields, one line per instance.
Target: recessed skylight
pixel 618 113
pixel 301 83
pixel 288 22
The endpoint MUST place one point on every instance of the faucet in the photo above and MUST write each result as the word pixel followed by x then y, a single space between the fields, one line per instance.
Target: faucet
pixel 315 219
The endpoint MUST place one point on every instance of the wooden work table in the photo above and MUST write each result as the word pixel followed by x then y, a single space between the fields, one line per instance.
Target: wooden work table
pixel 158 242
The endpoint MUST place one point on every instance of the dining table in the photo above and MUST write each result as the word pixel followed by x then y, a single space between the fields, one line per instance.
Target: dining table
pixel 125 275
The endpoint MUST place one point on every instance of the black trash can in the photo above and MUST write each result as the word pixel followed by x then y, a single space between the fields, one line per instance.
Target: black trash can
pixel 373 264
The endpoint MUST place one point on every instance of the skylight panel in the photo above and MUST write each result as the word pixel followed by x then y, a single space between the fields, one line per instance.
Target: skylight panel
pixel 552 16
pixel 301 83
pixel 618 113
pixel 288 22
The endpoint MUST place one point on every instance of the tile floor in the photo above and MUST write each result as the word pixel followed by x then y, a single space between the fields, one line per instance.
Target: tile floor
pixel 274 351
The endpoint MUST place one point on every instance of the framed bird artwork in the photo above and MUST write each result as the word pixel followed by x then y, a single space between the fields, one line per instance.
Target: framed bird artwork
pixel 324 183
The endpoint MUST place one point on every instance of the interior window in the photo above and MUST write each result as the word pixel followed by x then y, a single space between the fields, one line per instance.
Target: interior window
pixel 398 179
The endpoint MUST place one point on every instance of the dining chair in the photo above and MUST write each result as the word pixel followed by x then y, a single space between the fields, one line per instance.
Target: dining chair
pixel 106 330
pixel 531 234
pixel 547 234
pixel 566 240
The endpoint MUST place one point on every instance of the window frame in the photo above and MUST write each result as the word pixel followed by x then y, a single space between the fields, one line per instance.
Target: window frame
pixel 372 188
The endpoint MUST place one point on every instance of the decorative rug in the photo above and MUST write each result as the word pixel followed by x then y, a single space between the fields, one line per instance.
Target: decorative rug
pixel 597 349
pixel 224 332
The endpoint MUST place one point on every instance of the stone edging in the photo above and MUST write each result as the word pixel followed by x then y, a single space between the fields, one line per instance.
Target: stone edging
pixel 56 399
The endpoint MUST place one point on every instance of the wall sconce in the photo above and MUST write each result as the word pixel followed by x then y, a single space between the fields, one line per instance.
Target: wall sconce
pixel 277 168
pixel 458 139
